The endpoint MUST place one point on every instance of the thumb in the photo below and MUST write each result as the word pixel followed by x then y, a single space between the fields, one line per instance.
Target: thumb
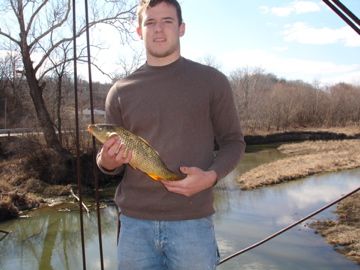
pixel 188 170
pixel 185 170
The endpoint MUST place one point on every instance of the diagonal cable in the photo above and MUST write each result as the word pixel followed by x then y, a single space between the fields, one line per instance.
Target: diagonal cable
pixel 288 227
pixel 344 13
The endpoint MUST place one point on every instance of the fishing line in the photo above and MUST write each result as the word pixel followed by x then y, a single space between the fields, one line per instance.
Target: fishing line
pixel 288 227
pixel 95 174
pixel 78 175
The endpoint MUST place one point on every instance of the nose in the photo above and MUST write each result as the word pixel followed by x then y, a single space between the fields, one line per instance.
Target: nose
pixel 158 27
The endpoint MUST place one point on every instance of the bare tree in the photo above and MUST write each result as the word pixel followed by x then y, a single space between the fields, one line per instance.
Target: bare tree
pixel 60 71
pixel 210 61
pixel 128 65
pixel 13 91
pixel 43 26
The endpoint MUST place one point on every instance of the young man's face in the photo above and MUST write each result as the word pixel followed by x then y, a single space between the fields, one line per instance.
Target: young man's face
pixel 161 33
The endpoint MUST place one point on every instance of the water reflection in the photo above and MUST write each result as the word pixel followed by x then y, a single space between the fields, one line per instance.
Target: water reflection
pixel 51 239
pixel 306 195
pixel 253 215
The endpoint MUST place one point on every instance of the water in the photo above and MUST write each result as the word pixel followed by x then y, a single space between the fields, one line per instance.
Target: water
pixel 51 239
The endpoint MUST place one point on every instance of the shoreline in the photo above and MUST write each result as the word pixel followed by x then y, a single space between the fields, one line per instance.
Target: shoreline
pixel 314 157
pixel 344 232
pixel 304 159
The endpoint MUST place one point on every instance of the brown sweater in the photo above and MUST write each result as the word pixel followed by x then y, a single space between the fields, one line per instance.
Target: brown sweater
pixel 179 109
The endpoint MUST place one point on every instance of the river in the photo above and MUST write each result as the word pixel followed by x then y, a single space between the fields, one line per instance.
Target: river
pixel 50 239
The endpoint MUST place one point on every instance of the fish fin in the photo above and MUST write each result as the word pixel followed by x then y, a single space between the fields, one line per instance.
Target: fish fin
pixel 154 176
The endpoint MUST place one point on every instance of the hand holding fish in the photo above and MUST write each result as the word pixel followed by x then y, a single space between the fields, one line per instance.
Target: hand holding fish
pixel 196 180
pixel 114 154
pixel 130 149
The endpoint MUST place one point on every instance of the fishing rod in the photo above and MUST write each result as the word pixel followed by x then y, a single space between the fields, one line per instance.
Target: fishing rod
pixel 288 227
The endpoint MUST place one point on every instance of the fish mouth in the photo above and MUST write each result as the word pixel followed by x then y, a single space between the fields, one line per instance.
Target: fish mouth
pixel 90 128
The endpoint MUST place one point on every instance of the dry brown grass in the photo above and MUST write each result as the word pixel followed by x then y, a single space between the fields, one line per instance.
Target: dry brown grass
pixel 344 233
pixel 304 159
pixel 28 172
pixel 348 130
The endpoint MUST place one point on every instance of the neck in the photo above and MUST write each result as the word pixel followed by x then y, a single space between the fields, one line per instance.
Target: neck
pixel 162 61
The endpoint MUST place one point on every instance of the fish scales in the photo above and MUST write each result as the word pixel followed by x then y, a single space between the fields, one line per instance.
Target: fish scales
pixel 144 157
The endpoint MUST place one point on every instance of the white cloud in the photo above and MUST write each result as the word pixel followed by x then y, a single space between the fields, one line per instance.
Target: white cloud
pixel 326 72
pixel 306 195
pixel 297 7
pixel 303 33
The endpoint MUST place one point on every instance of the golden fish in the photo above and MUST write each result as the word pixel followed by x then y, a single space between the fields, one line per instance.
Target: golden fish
pixel 144 157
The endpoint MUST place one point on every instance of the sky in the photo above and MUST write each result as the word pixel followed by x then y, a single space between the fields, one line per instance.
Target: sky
pixel 292 39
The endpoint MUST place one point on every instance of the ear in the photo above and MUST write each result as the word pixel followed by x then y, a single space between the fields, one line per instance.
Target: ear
pixel 139 32
pixel 182 29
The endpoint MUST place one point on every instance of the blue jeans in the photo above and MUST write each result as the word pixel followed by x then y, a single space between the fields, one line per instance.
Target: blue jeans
pixel 170 245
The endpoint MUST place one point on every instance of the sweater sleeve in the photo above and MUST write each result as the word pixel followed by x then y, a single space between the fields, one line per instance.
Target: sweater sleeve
pixel 113 116
pixel 227 129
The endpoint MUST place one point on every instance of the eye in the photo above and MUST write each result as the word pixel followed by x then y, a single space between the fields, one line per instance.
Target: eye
pixel 149 22
pixel 168 20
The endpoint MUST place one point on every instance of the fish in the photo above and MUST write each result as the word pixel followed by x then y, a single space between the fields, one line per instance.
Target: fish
pixel 144 157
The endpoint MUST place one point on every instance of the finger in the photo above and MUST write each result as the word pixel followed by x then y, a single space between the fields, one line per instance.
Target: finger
pixel 109 143
pixel 113 149
pixel 173 184
pixel 124 155
pixel 128 157
pixel 179 190
pixel 188 170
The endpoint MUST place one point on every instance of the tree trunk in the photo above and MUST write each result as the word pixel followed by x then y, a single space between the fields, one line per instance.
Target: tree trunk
pixel 58 108
pixel 42 113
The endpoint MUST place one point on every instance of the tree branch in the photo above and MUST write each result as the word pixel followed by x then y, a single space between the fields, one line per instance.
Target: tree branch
pixel 10 37
pixel 52 28
pixel 33 16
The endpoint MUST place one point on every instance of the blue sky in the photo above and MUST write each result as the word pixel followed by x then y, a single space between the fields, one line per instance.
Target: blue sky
pixel 302 40
pixel 292 39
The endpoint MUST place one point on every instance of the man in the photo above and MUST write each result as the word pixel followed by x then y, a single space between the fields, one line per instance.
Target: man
pixel 179 107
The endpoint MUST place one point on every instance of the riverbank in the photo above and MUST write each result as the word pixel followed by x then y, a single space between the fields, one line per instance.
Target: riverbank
pixel 31 175
pixel 343 233
pixel 304 159
pixel 313 157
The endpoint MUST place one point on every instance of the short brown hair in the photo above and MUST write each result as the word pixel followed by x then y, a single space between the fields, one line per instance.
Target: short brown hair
pixel 145 4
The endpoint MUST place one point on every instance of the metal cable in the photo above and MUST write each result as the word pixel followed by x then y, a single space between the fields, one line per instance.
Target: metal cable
pixel 288 227
pixel 78 174
pixel 95 172
pixel 344 13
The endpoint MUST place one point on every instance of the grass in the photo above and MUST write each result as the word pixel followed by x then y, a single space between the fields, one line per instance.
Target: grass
pixel 344 233
pixel 304 159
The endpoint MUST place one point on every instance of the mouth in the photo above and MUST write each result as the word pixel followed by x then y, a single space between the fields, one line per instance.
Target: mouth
pixel 90 128
pixel 159 40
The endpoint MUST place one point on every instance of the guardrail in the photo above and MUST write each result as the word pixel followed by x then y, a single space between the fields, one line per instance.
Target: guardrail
pixel 8 132
pixel 15 131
